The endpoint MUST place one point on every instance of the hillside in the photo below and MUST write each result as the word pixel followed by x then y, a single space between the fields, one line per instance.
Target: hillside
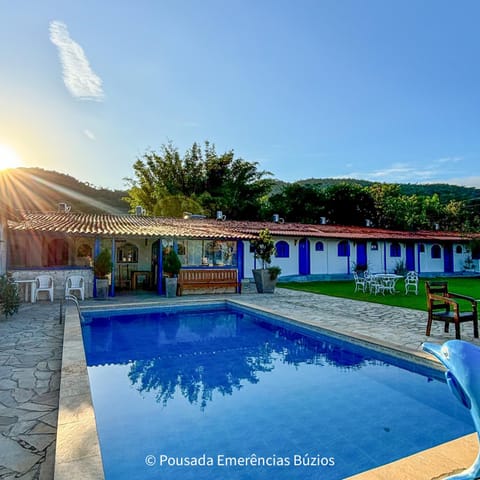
pixel 445 191
pixel 38 190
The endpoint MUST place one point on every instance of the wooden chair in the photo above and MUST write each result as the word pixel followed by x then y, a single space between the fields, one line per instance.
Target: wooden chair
pixel 443 306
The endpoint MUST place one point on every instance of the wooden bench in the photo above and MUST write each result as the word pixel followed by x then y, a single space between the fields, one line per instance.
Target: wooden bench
pixel 207 279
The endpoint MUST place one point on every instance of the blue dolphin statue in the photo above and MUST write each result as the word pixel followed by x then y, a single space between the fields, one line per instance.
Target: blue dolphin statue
pixel 462 361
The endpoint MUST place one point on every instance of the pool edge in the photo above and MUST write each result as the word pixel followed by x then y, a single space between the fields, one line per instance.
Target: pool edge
pixel 77 455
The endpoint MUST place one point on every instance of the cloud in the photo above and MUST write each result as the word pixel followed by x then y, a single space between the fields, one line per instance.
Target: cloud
pixel 79 78
pixel 398 172
pixel 465 181
pixel 448 160
pixel 435 171
pixel 89 134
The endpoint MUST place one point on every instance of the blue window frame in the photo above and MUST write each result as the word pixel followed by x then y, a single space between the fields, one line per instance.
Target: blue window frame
pixel 319 247
pixel 395 250
pixel 283 249
pixel 436 251
pixel 343 248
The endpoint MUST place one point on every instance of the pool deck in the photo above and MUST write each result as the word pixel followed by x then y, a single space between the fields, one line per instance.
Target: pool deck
pixel 31 345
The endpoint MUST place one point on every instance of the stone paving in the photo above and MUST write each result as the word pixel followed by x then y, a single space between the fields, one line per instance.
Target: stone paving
pixel 30 362
pixel 31 346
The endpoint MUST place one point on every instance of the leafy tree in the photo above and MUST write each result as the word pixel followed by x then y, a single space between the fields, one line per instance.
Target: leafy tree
pixel 166 184
pixel 176 206
pixel 297 203
pixel 349 204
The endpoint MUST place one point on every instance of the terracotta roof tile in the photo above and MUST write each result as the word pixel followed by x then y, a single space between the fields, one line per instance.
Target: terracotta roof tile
pixel 143 226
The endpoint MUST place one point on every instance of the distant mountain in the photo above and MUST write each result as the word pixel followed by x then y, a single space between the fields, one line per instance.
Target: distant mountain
pixel 38 190
pixel 445 191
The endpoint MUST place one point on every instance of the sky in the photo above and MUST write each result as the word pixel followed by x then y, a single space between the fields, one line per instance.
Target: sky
pixel 382 90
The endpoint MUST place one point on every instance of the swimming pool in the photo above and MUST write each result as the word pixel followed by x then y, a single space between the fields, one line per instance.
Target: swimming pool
pixel 214 392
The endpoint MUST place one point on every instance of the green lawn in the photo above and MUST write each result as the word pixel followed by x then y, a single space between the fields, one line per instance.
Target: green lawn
pixel 345 289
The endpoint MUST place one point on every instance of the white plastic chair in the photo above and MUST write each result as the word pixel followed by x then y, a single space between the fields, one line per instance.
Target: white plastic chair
pixel 411 283
pixel 75 283
pixel 44 283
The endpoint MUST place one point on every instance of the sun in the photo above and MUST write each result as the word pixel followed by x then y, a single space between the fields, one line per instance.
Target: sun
pixel 9 158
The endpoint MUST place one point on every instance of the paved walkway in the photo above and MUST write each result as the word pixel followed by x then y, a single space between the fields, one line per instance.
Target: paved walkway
pixel 30 362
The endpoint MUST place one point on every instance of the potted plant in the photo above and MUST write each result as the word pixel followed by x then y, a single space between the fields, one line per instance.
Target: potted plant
pixel 359 268
pixel 102 268
pixel 263 248
pixel 171 267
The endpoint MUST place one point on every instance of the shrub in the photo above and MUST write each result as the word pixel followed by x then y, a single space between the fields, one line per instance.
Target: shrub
pixel 171 263
pixel 103 264
pixel 400 268
pixel 263 247
pixel 274 272
pixel 9 298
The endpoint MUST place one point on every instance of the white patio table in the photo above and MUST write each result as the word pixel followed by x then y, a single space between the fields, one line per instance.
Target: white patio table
pixel 385 282
pixel 29 287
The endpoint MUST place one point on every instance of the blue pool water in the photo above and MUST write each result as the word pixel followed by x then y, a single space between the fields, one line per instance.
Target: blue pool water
pixel 236 395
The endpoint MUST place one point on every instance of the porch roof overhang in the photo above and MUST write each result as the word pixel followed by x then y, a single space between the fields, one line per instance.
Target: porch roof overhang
pixel 73 224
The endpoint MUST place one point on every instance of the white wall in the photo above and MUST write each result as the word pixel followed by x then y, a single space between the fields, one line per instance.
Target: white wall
pixel 3 248
pixel 288 265
pixel 59 279
pixel 319 260
pixel 375 257
pixel 429 264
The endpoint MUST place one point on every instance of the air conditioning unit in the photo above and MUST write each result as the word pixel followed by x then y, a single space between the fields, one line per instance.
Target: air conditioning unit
pixel 221 216
pixel 64 207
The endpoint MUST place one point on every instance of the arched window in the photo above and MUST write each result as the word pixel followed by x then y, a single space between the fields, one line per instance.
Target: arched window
pixel 459 249
pixel 319 247
pixel 282 248
pixel 58 252
pixel 436 251
pixel 343 248
pixel 127 253
pixel 395 250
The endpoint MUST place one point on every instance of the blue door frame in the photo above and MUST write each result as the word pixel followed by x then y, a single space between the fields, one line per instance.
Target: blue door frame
pixel 410 257
pixel 361 253
pixel 448 258
pixel 304 257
